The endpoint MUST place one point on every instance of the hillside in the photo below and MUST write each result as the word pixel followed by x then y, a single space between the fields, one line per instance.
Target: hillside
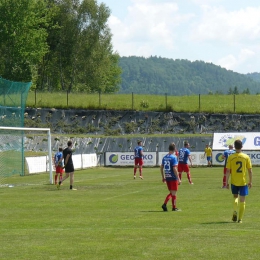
pixel 156 75
pixel 255 76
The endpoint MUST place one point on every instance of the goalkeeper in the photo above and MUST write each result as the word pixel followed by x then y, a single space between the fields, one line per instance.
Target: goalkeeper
pixel 58 165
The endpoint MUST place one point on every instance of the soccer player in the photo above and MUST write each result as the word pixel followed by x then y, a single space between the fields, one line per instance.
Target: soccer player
pixel 229 151
pixel 239 164
pixel 184 157
pixel 58 165
pixel 170 176
pixel 138 153
pixel 68 165
pixel 208 153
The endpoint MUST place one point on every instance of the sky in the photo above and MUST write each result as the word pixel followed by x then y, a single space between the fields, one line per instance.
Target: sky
pixel 223 32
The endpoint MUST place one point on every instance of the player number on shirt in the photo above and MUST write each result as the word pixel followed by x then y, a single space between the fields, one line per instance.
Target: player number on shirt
pixel 239 164
pixel 167 165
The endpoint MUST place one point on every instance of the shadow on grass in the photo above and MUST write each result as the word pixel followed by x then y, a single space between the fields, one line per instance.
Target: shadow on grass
pixel 214 223
pixel 152 211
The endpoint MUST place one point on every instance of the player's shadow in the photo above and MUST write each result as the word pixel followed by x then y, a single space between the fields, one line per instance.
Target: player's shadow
pixel 215 222
pixel 153 211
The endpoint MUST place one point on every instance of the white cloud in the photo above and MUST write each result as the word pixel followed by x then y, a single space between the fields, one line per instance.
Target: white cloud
pixel 147 26
pixel 230 27
pixel 232 62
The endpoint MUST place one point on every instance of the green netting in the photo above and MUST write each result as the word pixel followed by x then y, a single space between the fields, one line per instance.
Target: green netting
pixel 13 97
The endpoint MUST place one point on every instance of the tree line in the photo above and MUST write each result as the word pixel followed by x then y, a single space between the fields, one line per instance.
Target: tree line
pixel 58 44
pixel 66 45
pixel 156 75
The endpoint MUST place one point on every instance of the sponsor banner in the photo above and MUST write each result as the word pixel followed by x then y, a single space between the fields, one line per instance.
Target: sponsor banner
pixel 89 160
pixel 36 164
pixel 41 163
pixel 81 161
pixel 253 155
pixel 127 159
pixel 251 141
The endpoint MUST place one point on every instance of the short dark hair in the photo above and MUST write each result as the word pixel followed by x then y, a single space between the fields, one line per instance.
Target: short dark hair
pixel 238 144
pixel 69 143
pixel 186 143
pixel 60 149
pixel 138 142
pixel 172 147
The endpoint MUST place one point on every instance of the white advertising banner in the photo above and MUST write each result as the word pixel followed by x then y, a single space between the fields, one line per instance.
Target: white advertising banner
pixel 251 141
pixel 197 158
pixel 127 159
pixel 41 164
pixel 89 160
pixel 36 164
pixel 253 155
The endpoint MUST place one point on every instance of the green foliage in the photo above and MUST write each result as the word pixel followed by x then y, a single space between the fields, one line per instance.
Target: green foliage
pixel 144 104
pixel 59 45
pixel 130 128
pixel 156 75
pixel 23 37
pixel 80 56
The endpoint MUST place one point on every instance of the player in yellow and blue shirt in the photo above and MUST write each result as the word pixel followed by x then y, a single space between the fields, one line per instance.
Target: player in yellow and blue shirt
pixel 239 164
pixel 208 153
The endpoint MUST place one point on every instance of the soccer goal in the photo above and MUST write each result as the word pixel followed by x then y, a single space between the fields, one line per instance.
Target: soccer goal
pixel 24 151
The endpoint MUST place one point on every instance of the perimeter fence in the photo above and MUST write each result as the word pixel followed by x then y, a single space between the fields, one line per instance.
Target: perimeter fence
pixel 241 103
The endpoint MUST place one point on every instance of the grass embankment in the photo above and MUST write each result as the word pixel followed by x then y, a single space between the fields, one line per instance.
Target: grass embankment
pixel 245 104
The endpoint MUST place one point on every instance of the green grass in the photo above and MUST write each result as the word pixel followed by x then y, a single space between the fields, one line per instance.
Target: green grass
pixel 248 104
pixel 112 216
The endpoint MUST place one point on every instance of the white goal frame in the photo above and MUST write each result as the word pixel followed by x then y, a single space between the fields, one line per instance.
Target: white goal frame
pixel 49 142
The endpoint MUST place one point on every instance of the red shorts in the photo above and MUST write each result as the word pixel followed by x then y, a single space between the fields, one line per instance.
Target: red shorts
pixel 183 167
pixel 172 185
pixel 139 161
pixel 59 169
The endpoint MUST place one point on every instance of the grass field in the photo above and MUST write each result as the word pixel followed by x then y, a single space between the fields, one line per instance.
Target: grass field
pixel 112 216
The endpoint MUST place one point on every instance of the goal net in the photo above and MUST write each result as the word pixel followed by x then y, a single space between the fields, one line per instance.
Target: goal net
pixel 25 151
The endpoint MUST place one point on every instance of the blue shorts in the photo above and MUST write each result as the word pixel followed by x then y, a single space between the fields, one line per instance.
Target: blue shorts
pixel 241 190
pixel 208 158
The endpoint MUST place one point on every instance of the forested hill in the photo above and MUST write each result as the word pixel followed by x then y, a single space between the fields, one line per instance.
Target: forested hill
pixel 157 75
pixel 255 76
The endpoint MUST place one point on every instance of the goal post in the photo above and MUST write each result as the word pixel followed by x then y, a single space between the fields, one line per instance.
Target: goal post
pixel 12 157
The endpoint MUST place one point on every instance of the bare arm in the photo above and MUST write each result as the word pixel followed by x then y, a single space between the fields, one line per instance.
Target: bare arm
pixel 227 177
pixel 162 173
pixel 190 160
pixel 176 173
pixel 250 175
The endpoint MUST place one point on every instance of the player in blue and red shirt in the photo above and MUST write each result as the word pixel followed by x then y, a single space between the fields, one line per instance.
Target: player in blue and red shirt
pixel 139 159
pixel 170 176
pixel 184 157
pixel 225 156
pixel 58 165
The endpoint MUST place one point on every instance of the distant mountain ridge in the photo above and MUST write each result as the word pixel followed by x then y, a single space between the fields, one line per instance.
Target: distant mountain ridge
pixel 156 75
pixel 255 76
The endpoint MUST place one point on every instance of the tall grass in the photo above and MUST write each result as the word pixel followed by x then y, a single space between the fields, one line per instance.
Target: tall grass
pixel 245 104
pixel 113 217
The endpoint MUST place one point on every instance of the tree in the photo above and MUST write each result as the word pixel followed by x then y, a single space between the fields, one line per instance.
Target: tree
pixel 236 92
pixel 230 91
pixel 81 56
pixel 246 91
pixel 23 36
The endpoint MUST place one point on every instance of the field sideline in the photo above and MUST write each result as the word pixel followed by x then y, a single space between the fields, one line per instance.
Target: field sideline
pixel 112 216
